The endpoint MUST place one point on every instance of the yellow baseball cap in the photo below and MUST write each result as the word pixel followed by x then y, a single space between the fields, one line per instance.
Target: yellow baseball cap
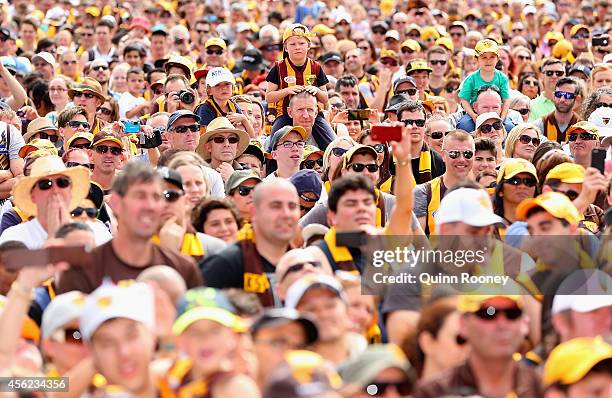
pixel 417 65
pixel 296 30
pixel 215 41
pixel 583 126
pixel 411 44
pixel 473 12
pixel 556 36
pixel 514 166
pixel 578 27
pixel 429 32
pixel 567 172
pixel 557 204
pixel 384 53
pixel 486 46
pixel 569 362
pixel 323 30
pixel 310 149
pixel 446 42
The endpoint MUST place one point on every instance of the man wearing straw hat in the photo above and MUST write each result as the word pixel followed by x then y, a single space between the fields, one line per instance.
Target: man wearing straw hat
pixel 49 193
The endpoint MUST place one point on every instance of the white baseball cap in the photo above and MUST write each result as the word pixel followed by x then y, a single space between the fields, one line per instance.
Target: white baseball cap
pixel 219 75
pixel 45 56
pixel 62 310
pixel 602 119
pixel 297 290
pixel 127 300
pixel 584 290
pixel 467 205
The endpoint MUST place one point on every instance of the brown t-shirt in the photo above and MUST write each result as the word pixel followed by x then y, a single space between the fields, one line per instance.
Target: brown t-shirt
pixel 107 264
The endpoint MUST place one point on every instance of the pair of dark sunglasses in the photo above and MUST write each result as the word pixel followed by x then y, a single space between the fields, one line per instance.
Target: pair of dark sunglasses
pixel 525 139
pixel 551 73
pixel 337 152
pixel 214 52
pixel 583 136
pixel 491 313
pixel 75 124
pixel 523 111
pixel 91 212
pixel 437 135
pixel 310 164
pixel 219 139
pixel 570 193
pixel 360 167
pixel 456 154
pixel 409 91
pixel 527 181
pixel 78 94
pixel 51 137
pixel 102 149
pixel 243 190
pixel 299 266
pixel 487 128
pixel 105 111
pixel 183 129
pixel 46 183
pixel 172 196
pixel 565 94
pixel 415 122
pixel 379 389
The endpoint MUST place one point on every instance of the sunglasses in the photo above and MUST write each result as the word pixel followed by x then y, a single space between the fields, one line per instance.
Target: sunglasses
pixel 86 34
pixel 310 164
pixel 69 336
pixel 525 139
pixel 243 190
pixel 450 89
pixel 75 124
pixel 202 31
pixel 379 148
pixel 389 62
pixel 378 389
pixel 172 196
pixel 90 166
pixel 219 139
pixel 291 144
pixel 527 181
pixel 99 68
pixel 415 122
pixel 46 183
pixel 51 137
pixel 565 94
pixel 300 266
pixel 102 149
pixel 581 36
pixel 455 154
pixel 533 83
pixel 105 111
pixel 436 135
pixel 183 129
pixel 486 128
pixel 409 91
pixel 407 51
pixel 337 152
pixel 523 111
pixel 490 313
pixel 78 94
pixel 79 146
pixel 215 52
pixel 456 34
pixel 437 62
pixel 583 136
pixel 359 167
pixel 379 32
pixel 550 73
pixel 91 212
pixel 602 105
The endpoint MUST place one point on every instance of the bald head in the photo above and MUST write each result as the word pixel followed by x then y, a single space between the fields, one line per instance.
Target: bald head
pixel 167 278
pixel 275 212
pixel 264 189
pixel 292 266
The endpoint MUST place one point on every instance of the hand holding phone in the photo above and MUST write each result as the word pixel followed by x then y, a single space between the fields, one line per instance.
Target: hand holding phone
pixel 358 114
pixel 598 159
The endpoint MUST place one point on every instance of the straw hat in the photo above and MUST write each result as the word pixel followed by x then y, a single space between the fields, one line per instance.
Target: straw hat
pixel 90 85
pixel 222 125
pixel 45 167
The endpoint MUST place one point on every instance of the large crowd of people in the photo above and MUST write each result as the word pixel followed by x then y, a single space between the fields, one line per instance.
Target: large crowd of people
pixel 190 192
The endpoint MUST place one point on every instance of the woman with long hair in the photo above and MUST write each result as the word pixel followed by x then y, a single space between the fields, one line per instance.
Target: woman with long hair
pixel 522 141
pixel 529 85
pixel 332 158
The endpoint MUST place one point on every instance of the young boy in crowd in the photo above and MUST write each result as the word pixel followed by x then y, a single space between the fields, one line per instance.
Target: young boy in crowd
pixel 293 74
pixel 220 88
pixel 487 56
pixel 131 103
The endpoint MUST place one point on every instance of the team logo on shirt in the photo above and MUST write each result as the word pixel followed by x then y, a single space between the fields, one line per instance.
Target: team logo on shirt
pixel 290 79
pixel 309 80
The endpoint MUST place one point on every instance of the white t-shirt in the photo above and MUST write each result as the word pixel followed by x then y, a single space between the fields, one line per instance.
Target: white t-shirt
pixel 127 102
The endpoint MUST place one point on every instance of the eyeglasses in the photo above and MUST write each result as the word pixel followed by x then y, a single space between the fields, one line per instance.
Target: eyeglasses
pixel 450 89
pixel 455 154
pixel 57 89
pixel 337 152
pixel 90 166
pixel 78 94
pixel 581 36
pixel 602 105
pixel 183 129
pixel 525 139
pixel 378 389
pixel 172 196
pixel 98 68
pixel 550 73
pixel 486 128
pixel 360 167
pixel 102 149
pixel 437 62
pixel 531 83
pixel 436 135
pixel 219 139
pixel 75 124
pixel 583 136
pixel 379 148
pixel 389 62
pixel 46 183
pixel 523 111
pixel 244 190
pixel 291 144
pixel 51 137
pixel 310 164
pixel 215 52
pixel 299 266
pixel 415 122
pixel 527 181
pixel 105 111
pixel 565 94
pixel 91 212
pixel 409 91
pixel 490 313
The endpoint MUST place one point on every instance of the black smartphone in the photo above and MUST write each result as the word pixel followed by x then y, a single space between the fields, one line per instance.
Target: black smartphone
pixel 354 239
pixel 76 256
pixel 598 159
pixel 154 141
pixel 358 114
pixel 600 41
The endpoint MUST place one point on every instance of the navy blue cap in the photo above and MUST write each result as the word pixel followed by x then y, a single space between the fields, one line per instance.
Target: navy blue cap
pixel 396 102
pixel 307 181
pixel 580 68
pixel 330 56
pixel 404 79
pixel 179 114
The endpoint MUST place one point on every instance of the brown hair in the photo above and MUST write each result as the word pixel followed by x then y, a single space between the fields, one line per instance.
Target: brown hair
pixel 548 161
